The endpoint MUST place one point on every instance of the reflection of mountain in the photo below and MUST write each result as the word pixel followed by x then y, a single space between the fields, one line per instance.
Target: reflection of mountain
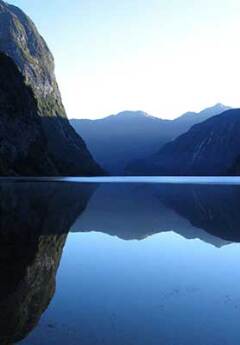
pixel 216 209
pixel 35 219
pixel 136 211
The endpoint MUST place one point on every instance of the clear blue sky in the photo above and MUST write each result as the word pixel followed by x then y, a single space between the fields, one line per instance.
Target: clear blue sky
pixel 161 56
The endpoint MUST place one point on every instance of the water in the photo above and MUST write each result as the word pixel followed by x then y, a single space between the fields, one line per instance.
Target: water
pixel 120 263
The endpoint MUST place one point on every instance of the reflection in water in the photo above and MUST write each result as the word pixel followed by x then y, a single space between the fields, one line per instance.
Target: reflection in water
pixel 35 220
pixel 212 208
pixel 135 211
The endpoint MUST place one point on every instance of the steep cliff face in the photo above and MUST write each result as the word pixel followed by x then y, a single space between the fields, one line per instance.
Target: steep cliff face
pixel 35 135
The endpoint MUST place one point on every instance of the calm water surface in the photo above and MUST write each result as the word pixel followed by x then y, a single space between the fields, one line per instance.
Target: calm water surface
pixel 120 263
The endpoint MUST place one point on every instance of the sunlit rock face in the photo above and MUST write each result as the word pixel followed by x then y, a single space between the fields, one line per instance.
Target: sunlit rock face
pixel 34 222
pixel 35 135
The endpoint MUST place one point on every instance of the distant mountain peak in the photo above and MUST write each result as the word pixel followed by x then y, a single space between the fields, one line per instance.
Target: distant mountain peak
pixel 221 105
pixel 204 114
pixel 133 113
pixel 216 109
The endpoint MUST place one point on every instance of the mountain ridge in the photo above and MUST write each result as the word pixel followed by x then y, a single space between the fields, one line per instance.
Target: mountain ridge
pixel 116 140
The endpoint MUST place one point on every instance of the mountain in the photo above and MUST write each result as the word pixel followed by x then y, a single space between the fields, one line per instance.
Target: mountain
pixel 209 148
pixel 184 122
pixel 128 136
pixel 117 139
pixel 35 134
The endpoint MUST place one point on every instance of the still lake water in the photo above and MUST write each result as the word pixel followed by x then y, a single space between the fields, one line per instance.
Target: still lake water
pixel 130 263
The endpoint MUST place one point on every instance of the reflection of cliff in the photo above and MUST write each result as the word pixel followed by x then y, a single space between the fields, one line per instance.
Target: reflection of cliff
pixel 34 222
pixel 136 211
pixel 216 209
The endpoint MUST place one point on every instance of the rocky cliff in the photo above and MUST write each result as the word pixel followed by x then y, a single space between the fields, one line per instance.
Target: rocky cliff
pixel 35 135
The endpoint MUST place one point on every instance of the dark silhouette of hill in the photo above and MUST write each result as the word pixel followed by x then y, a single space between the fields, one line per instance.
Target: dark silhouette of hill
pixel 210 148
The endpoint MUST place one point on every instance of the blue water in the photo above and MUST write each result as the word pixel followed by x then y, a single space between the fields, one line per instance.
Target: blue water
pixel 142 263
pixel 219 180
pixel 162 290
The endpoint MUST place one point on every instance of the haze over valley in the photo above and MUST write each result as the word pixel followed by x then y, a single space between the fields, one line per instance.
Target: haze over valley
pixel 122 142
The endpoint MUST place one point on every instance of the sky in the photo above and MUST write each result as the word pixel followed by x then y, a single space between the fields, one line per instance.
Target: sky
pixel 164 57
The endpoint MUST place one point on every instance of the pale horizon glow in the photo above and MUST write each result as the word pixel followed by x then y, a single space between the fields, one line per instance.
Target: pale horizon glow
pixel 159 56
